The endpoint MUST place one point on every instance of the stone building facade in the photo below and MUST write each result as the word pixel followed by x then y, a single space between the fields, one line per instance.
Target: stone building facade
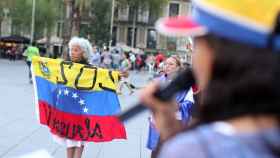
pixel 145 35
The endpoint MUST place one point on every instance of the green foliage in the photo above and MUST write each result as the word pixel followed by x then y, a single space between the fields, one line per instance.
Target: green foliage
pixel 83 5
pixel 100 25
pixel 45 16
pixel 21 16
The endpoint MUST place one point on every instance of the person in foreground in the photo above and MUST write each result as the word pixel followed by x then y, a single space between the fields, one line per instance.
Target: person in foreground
pixel 237 67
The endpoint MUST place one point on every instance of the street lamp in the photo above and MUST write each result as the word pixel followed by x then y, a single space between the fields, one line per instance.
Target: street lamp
pixel 32 21
pixel 112 23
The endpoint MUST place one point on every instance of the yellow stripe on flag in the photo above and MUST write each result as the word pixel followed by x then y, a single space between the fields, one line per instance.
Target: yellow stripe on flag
pixel 74 75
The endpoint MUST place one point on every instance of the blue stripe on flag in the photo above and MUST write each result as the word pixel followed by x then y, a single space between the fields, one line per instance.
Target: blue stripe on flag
pixel 70 100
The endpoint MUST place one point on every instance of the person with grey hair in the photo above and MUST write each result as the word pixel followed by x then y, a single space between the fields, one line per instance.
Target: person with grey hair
pixel 80 51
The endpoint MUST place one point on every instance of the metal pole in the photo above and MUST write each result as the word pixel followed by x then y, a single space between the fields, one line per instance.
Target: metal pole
pixel 133 28
pixel 60 31
pixel 33 21
pixel 112 23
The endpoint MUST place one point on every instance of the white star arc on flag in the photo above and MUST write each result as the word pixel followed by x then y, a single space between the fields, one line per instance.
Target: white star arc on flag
pixel 59 92
pixel 85 109
pixel 66 92
pixel 82 102
pixel 75 95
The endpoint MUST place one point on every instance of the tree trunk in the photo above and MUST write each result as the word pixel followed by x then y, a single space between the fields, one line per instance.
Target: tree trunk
pixel 68 25
pixel 76 22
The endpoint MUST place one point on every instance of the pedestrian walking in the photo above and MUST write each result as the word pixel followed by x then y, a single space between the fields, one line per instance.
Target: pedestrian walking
pixel 150 62
pixel 107 58
pixel 29 53
pixel 12 53
pixel 132 59
pixel 95 59
pixel 139 62
pixel 125 67
pixel 160 57
pixel 116 59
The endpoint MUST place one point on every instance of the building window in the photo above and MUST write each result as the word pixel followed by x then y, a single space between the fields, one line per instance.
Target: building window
pixel 114 38
pixel 189 8
pixel 123 13
pixel 174 9
pixel 116 13
pixel 171 44
pixel 152 39
pixel 143 15
pixel 131 14
pixel 141 39
pixel 153 16
pixel 122 36
pixel 59 29
pixel 129 36
pixel 6 13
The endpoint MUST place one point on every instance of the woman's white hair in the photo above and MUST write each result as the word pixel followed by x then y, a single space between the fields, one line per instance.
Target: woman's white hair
pixel 84 45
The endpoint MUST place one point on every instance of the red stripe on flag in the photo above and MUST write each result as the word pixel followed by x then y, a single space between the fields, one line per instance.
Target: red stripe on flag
pixel 81 127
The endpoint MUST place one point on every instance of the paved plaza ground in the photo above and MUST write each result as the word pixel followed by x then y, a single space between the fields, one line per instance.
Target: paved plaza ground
pixel 21 133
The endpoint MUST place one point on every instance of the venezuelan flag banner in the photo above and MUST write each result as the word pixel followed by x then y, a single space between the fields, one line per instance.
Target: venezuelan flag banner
pixel 77 101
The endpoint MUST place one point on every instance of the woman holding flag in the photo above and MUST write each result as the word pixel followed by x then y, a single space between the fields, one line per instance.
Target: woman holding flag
pixel 80 114
pixel 80 51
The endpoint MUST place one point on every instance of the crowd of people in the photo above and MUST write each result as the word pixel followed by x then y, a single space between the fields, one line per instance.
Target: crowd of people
pixel 112 59
pixel 100 57
pixel 12 52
